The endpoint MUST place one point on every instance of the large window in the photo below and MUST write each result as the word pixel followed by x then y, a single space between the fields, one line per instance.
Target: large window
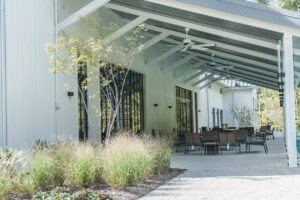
pixel 82 103
pixel 131 112
pixel 184 110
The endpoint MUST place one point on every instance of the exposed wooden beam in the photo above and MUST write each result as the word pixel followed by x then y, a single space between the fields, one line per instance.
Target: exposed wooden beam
pixel 184 69
pixel 152 42
pixel 204 79
pixel 242 66
pixel 163 56
pixel 124 29
pixel 196 26
pixel 259 80
pixel 89 8
pixel 211 82
pixel 178 63
pixel 219 44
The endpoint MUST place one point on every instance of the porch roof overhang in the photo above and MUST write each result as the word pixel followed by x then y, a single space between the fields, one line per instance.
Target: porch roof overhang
pixel 248 36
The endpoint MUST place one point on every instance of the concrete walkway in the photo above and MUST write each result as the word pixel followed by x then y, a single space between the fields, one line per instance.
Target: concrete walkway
pixel 231 176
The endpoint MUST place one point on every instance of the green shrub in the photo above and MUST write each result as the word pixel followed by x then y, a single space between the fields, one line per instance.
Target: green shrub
pixel 27 185
pixel 61 156
pixel 41 170
pixel 4 186
pixel 161 154
pixel 126 160
pixel 85 165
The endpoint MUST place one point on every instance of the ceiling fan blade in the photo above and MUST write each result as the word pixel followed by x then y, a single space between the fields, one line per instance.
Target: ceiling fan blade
pixel 198 47
pixel 207 45
pixel 185 48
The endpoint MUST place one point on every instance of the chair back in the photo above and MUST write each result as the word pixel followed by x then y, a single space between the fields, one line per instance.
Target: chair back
pixel 249 129
pixel 210 136
pixel 263 129
pixel 203 128
pixel 223 139
pixel 197 139
pixel 241 136
pixel 231 138
pixel 188 138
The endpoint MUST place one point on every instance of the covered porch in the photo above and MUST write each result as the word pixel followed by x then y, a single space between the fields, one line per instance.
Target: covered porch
pixel 246 176
pixel 235 40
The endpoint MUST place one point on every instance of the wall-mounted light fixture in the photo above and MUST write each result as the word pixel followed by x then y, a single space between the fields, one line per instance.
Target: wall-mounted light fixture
pixel 70 94
pixel 156 105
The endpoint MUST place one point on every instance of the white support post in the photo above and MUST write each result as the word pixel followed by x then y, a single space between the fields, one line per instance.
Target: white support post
pixel 178 63
pixel 124 29
pixel 163 56
pixel 152 42
pixel 204 79
pixel 89 8
pixel 289 100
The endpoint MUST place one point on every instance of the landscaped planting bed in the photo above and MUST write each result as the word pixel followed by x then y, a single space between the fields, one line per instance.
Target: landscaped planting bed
pixel 126 167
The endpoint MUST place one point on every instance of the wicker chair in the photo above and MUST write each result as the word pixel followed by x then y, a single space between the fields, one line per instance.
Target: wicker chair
pixel 210 139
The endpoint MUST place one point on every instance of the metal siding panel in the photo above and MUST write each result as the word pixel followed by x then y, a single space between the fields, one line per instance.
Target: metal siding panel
pixel 30 25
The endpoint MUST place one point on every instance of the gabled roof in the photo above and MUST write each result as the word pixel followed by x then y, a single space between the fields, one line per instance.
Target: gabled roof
pixel 252 10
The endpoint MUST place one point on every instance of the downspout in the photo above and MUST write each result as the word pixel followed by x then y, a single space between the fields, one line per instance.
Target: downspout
pixel 3 74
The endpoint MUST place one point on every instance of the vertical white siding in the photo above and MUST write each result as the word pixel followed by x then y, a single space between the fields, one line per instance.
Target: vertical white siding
pixel 30 25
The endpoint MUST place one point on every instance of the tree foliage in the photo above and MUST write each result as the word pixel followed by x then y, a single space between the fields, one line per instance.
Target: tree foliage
pixel 287 4
pixel 243 115
pixel 269 110
pixel 90 53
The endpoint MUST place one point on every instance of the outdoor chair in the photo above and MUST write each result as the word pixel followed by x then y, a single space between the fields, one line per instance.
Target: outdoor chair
pixel 188 142
pixel 250 130
pixel 223 141
pixel 210 138
pixel 241 138
pixel 203 129
pixel 192 140
pixel 227 141
pixel 270 133
pixel 257 140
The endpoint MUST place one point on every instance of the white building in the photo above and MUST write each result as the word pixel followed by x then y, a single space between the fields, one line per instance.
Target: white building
pixel 36 105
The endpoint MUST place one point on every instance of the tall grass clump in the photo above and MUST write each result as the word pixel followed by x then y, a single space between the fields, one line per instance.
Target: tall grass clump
pixel 160 151
pixel 49 164
pixel 126 160
pixel 13 178
pixel 86 165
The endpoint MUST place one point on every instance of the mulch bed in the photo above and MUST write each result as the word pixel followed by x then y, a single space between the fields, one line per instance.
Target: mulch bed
pixel 139 190
pixel 135 191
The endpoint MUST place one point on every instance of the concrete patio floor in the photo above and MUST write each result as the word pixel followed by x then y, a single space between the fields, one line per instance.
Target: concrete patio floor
pixel 231 176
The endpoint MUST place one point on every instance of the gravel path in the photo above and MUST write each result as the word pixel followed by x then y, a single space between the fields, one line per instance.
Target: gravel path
pixel 231 176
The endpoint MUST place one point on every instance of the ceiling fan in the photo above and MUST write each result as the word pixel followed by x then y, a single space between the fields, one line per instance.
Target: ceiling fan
pixel 188 44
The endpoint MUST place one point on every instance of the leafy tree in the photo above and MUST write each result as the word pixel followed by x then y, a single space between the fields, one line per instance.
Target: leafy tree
pixel 269 110
pixel 243 115
pixel 102 62
pixel 291 4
